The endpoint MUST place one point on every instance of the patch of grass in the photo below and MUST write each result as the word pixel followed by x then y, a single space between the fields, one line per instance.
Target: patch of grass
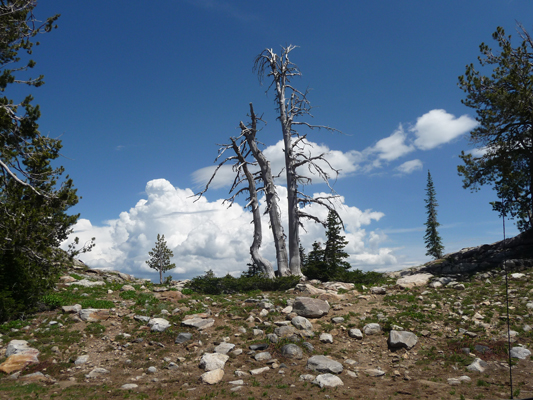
pixel 96 303
pixel 95 328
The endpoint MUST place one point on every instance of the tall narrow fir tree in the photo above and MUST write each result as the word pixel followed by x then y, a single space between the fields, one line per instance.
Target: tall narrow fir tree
pixel 432 238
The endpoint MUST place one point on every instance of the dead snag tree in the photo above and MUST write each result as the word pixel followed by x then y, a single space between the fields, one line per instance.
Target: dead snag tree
pixel 244 175
pixel 292 105
pixel 270 193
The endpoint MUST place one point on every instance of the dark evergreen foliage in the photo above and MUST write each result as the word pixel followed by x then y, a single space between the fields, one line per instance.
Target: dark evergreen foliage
pixel 210 284
pixel 432 238
pixel 33 199
pixel 503 101
pixel 328 263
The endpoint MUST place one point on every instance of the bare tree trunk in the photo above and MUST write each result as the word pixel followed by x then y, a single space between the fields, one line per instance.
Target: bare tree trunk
pixel 270 195
pixel 264 265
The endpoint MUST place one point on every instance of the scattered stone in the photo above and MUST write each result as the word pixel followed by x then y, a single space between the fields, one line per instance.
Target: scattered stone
pixel 183 337
pixel 86 283
pixel 212 361
pixel 19 355
pixel 355 333
pixel 302 323
pixel 127 288
pixel 213 377
pixel 159 324
pixel 372 329
pixel 307 378
pixel 310 308
pixel 97 372
pixel 263 356
pixel 337 320
pixel 411 281
pixel 75 309
pixel 378 290
pixel 402 339
pixel 328 380
pixel 259 346
pixel 326 338
pixel 478 365
pixel 285 331
pixel 129 386
pixel 292 351
pixel 259 371
pixel 374 372
pixel 94 314
pixel 520 352
pixel 224 348
pixel 199 323
pixel 81 360
pixel 324 364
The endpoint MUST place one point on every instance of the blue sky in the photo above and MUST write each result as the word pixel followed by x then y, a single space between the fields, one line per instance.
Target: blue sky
pixel 140 95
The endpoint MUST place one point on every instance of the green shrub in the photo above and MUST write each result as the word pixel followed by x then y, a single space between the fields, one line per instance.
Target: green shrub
pixel 210 284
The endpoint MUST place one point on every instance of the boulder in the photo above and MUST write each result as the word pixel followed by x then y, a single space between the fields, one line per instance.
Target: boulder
pixel 159 324
pixel 402 339
pixel 94 314
pixel 372 329
pixel 355 333
pixel 328 380
pixel 302 323
pixel 224 348
pixel 478 365
pixel 310 308
pixel 414 280
pixel 212 361
pixel 520 352
pixel 183 337
pixel 199 323
pixel 324 364
pixel 19 355
pixel 212 377
pixel 292 351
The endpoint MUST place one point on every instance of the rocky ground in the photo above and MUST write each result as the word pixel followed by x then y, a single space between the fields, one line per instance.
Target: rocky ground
pixel 417 337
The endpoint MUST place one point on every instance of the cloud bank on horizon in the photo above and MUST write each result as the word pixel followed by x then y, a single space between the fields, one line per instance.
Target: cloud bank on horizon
pixel 207 235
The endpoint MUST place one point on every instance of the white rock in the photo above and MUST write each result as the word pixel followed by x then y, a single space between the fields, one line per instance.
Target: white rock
pixel 159 324
pixel 213 377
pixel 328 380
pixel 212 361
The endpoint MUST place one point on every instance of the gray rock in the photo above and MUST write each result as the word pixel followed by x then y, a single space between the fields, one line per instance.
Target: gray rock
pixel 151 370
pixel 374 372
pixel 324 364
pixel 310 308
pixel 478 365
pixel 183 337
pixel 307 378
pixel 127 288
pixel 213 377
pixel 263 356
pixel 224 348
pixel 96 372
pixel 86 283
pixel 308 346
pixel 372 329
pixel 378 290
pixel 302 323
pixel 141 318
pixel 402 339
pixel 159 324
pixel 199 323
pixel 273 338
pixel 355 333
pixel 328 380
pixel 413 280
pixel 75 309
pixel 292 351
pixel 212 361
pixel 326 338
pixel 128 386
pixel 81 360
pixel 259 371
pixel 259 346
pixel 337 320
pixel 285 331
pixel 520 352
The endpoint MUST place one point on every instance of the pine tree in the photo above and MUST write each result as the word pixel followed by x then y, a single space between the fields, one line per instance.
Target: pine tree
pixel 160 257
pixel 334 254
pixel 432 238
pixel 328 263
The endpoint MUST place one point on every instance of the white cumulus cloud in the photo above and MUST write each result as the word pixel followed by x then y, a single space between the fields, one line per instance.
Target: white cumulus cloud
pixel 438 127
pixel 410 166
pixel 394 146
pixel 208 235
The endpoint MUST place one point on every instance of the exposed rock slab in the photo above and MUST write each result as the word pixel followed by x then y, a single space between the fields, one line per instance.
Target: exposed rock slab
pixel 414 280
pixel 310 308
pixel 324 364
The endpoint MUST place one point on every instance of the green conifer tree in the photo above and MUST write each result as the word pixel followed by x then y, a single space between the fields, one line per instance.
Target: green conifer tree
pixel 160 257
pixel 432 238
